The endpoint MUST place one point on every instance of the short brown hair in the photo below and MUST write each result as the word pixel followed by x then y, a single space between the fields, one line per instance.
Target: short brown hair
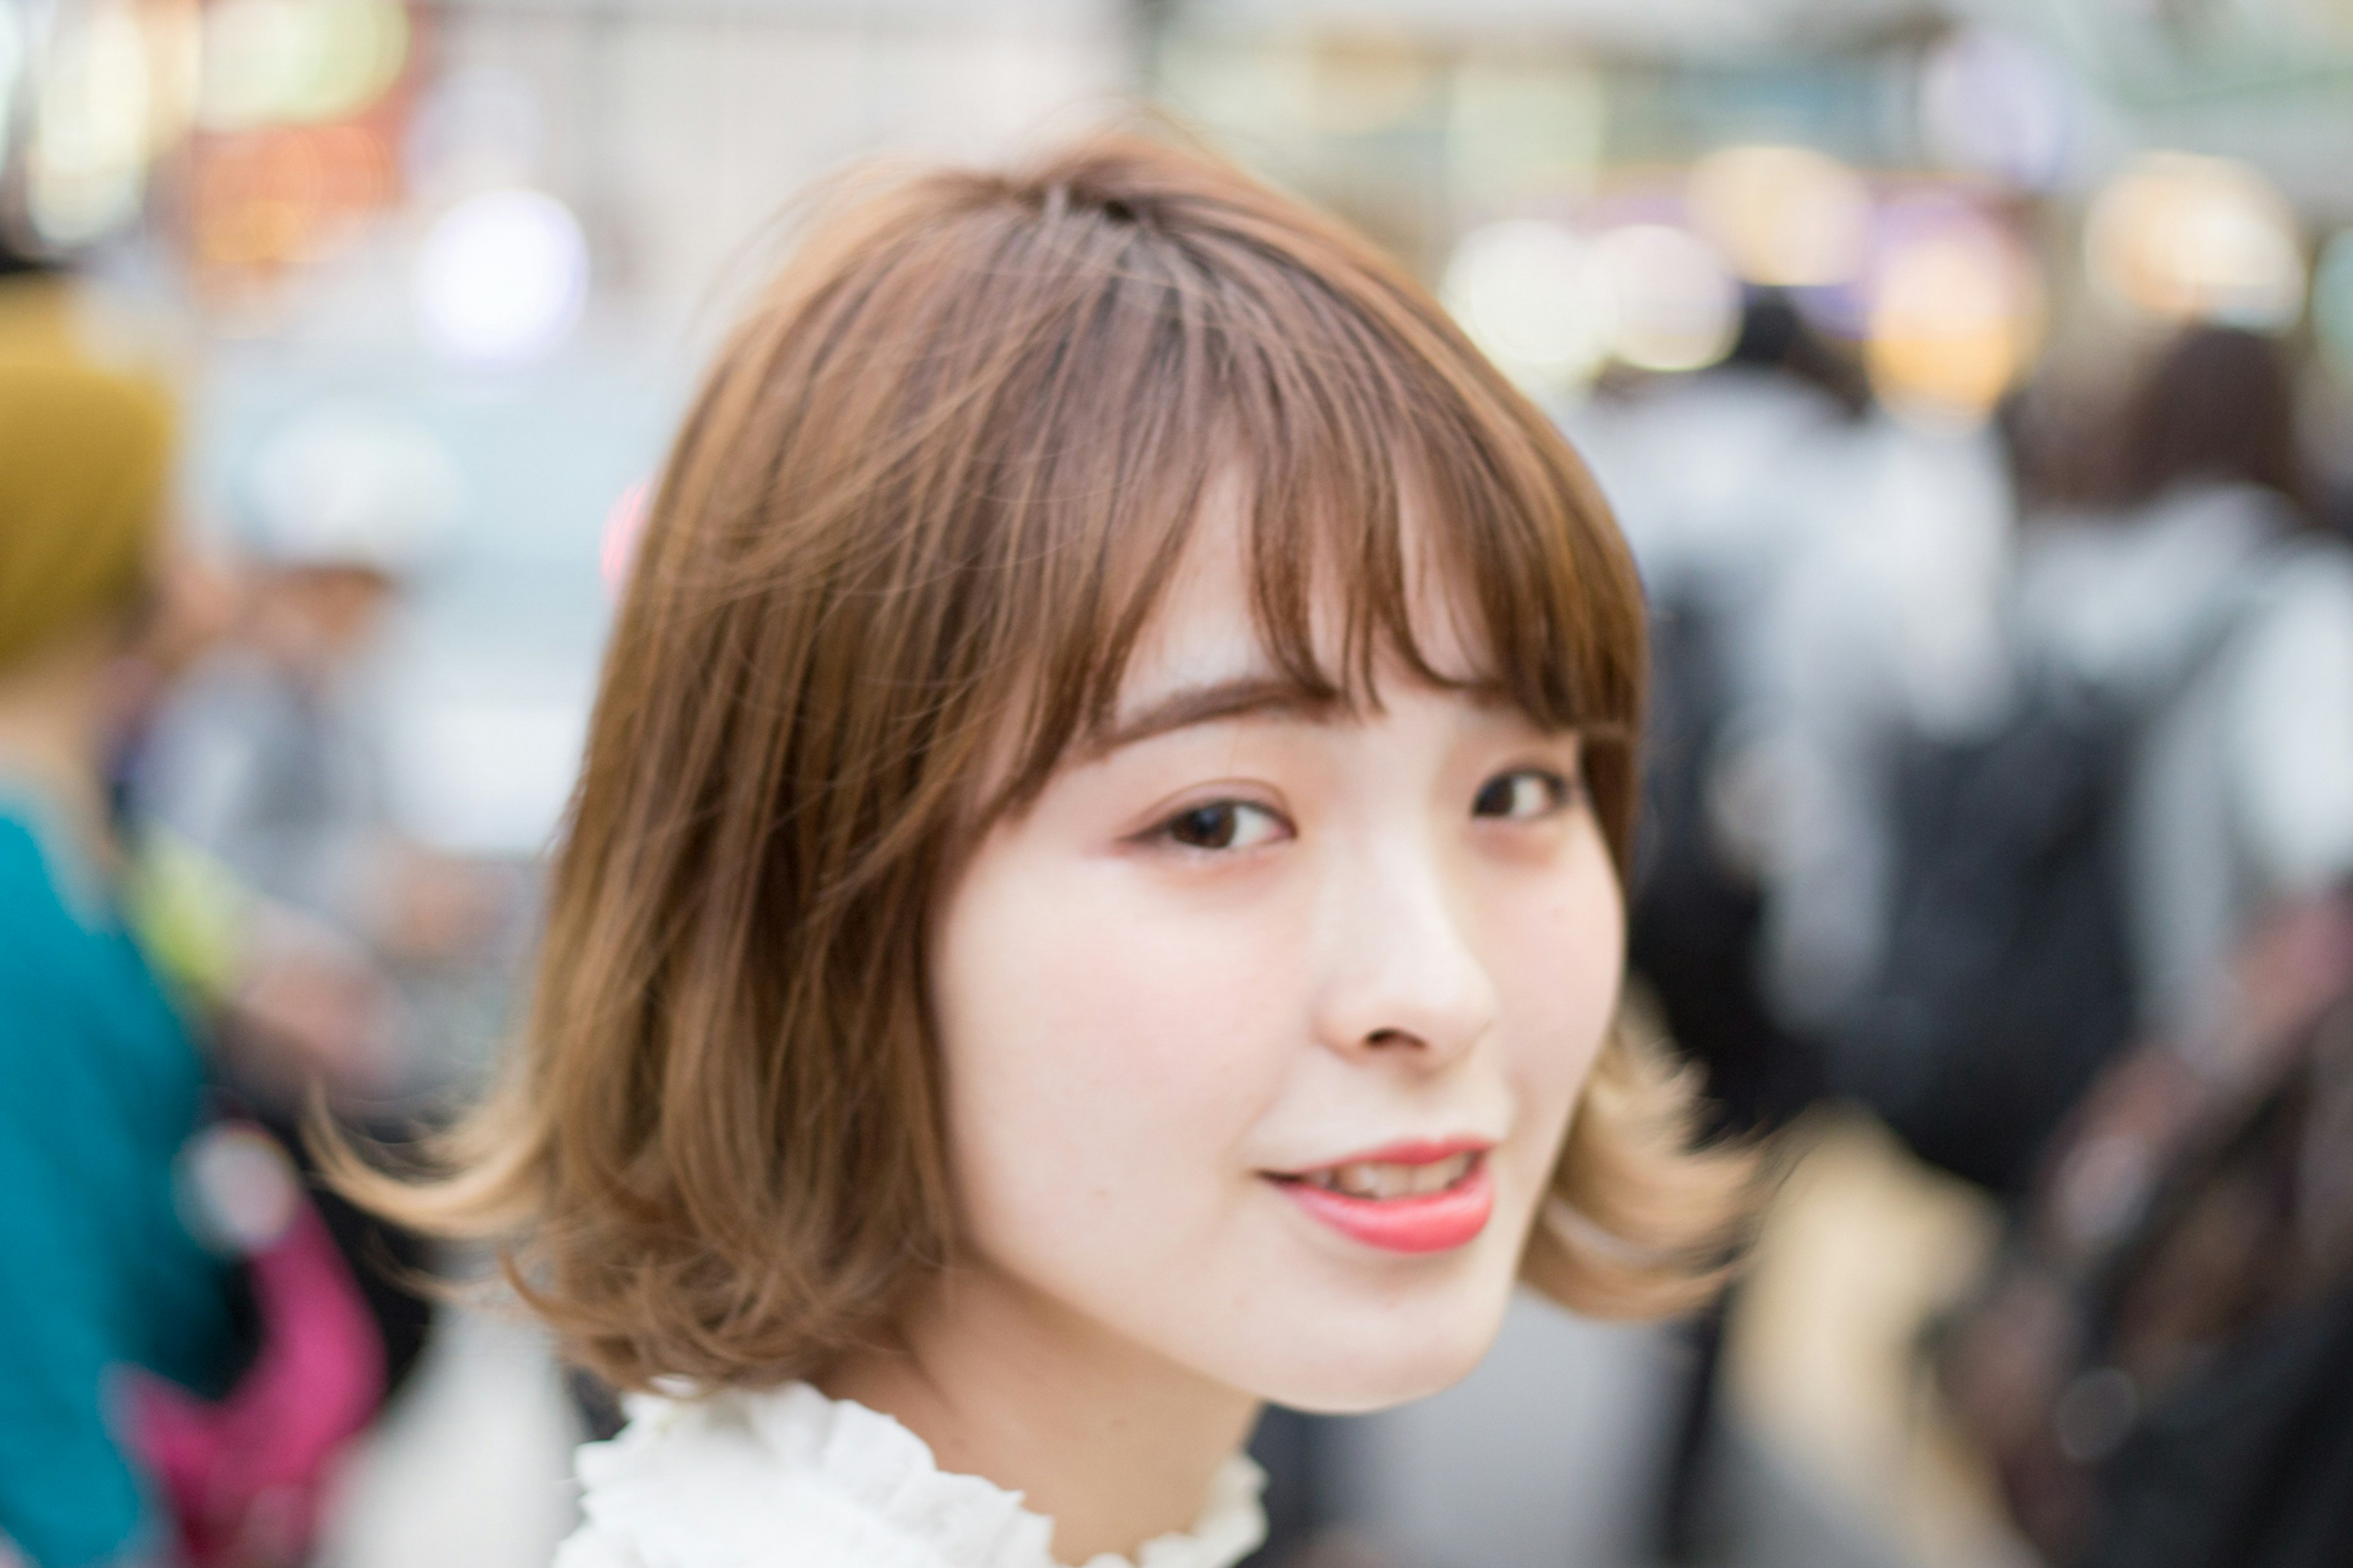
pixel 922 506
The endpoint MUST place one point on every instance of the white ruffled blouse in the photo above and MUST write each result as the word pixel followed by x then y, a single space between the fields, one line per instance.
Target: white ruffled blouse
pixel 788 1476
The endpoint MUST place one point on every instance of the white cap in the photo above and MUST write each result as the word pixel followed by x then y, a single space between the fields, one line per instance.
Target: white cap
pixel 346 485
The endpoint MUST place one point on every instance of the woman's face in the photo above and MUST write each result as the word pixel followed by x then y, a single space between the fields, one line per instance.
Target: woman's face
pixel 1262 1027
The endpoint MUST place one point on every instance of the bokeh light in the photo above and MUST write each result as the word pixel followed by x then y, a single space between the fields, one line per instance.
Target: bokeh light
pixel 1531 297
pixel 12 76
pixel 503 276
pixel 1783 217
pixel 2188 239
pixel 1956 315
pixel 86 168
pixel 1676 306
pixel 1992 104
pixel 273 62
pixel 175 53
pixel 275 198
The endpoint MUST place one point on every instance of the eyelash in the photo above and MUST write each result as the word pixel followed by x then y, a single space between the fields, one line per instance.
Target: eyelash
pixel 1228 810
pixel 1560 792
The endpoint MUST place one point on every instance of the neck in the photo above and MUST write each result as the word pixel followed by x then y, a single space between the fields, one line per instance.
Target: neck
pixel 1116 1444
pixel 54 728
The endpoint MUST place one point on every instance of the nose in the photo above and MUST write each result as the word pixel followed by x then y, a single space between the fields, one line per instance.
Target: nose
pixel 1402 972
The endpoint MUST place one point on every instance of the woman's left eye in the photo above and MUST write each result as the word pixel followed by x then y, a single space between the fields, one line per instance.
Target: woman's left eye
pixel 1221 824
pixel 1523 795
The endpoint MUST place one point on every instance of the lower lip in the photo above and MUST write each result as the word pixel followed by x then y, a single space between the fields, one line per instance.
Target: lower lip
pixel 1439 1222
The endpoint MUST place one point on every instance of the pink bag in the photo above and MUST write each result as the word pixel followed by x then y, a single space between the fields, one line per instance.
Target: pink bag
pixel 244 1476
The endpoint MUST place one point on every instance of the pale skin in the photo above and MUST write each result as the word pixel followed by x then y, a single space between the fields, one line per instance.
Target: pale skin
pixel 1244 940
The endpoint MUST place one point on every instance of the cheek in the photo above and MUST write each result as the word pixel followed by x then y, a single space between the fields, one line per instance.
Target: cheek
pixel 1104 1055
pixel 1558 959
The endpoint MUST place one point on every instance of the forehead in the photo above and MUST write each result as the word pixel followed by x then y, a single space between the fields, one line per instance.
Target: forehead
pixel 1209 621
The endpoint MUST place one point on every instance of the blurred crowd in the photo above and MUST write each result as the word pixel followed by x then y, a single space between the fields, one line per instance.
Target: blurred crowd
pixel 1992 504
pixel 209 919
pixel 2004 788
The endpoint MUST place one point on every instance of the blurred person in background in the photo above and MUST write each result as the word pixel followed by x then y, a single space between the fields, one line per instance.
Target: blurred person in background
pixel 1718 542
pixel 180 1352
pixel 2160 1366
pixel 1823 583
pixel 2213 589
pixel 262 769
pixel 265 758
pixel 2169 755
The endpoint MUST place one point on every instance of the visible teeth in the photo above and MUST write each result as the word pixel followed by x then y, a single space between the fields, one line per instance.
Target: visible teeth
pixel 1368 1179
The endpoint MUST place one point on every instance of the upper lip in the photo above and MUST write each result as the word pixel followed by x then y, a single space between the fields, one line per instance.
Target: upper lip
pixel 1403 1152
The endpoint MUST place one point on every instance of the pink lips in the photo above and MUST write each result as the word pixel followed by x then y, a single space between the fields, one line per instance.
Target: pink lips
pixel 1432 1222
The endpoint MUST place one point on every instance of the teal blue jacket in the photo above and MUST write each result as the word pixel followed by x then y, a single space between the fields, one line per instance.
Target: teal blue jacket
pixel 99 1087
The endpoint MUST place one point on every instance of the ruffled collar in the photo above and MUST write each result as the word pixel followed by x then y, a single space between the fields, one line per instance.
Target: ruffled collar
pixel 739 1465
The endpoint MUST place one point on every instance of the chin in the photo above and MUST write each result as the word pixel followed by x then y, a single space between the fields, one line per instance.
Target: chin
pixel 1365 1357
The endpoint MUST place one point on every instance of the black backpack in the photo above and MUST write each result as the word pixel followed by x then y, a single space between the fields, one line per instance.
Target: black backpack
pixel 2007 981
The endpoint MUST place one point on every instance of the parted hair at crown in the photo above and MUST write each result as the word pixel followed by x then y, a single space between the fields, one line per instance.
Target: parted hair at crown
pixel 923 508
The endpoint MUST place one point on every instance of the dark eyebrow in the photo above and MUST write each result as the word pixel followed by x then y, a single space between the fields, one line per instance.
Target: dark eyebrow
pixel 1247 696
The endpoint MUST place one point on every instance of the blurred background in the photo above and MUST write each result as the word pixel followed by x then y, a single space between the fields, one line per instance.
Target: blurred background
pixel 1974 379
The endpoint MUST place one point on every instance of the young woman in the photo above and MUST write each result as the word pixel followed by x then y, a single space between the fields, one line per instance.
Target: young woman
pixel 1094 899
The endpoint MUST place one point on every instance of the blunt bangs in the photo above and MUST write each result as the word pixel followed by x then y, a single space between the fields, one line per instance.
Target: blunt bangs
pixel 1138 348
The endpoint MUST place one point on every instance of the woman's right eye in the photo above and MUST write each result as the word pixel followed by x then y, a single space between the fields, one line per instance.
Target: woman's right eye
pixel 1221 824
